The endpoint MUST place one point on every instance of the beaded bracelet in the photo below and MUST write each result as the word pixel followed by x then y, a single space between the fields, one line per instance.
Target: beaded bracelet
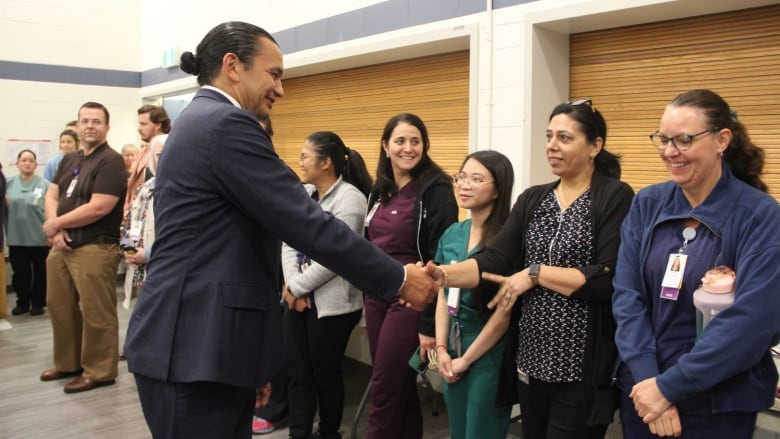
pixel 444 274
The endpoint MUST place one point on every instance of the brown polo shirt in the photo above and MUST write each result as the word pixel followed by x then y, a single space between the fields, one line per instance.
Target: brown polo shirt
pixel 102 172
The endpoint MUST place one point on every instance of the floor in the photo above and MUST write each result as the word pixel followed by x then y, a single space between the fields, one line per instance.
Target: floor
pixel 30 408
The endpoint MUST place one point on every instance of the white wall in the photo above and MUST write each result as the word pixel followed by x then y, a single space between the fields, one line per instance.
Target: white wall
pixel 39 110
pixel 85 33
pixel 175 24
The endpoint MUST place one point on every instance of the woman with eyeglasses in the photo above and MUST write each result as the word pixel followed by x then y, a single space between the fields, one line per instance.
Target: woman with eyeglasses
pixel 468 337
pixel 411 204
pixel 561 238
pixel 677 376
pixel 322 308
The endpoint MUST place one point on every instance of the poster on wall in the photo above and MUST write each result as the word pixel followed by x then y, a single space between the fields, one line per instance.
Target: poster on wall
pixel 42 148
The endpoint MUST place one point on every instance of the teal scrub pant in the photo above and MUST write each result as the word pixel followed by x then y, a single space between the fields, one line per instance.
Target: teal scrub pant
pixel 471 401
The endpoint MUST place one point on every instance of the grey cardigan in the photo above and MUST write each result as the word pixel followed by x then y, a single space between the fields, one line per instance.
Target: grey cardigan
pixel 332 294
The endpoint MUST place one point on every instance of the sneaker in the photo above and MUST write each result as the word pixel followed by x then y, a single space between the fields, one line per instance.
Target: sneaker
pixel 262 426
pixel 36 311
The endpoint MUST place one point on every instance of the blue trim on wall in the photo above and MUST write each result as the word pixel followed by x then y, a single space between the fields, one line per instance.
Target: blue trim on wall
pixel 372 20
pixel 68 75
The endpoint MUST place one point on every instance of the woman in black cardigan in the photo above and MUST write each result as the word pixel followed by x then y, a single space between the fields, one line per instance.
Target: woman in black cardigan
pixel 561 240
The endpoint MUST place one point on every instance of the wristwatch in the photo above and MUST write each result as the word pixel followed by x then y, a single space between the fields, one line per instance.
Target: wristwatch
pixel 533 273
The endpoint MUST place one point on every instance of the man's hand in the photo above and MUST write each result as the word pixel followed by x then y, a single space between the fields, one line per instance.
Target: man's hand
pixel 419 288
pixel 51 227
pixel 60 241
pixel 649 402
pixel 263 395
pixel 668 424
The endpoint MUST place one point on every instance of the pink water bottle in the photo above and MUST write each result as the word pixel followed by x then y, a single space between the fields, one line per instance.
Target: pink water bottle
pixel 715 294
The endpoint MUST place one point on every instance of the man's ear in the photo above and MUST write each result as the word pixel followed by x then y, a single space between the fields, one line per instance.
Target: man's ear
pixel 231 65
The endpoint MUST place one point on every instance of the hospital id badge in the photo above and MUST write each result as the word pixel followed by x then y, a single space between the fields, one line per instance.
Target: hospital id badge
pixel 453 300
pixel 71 187
pixel 673 276
pixel 135 230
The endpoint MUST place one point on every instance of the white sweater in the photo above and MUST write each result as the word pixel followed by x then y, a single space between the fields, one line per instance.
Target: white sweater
pixel 333 295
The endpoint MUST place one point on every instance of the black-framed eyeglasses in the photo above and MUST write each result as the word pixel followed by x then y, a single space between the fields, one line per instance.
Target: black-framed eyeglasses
pixel 682 142
pixel 475 180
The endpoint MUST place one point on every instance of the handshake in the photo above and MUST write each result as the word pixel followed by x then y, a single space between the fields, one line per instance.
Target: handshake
pixel 422 284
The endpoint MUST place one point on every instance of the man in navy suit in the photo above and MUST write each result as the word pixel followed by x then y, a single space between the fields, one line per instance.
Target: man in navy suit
pixel 206 330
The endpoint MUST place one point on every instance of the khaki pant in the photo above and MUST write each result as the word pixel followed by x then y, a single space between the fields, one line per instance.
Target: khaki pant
pixel 81 289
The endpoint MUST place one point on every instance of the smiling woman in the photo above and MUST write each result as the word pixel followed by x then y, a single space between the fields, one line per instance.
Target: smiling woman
pixel 410 206
pixel 713 211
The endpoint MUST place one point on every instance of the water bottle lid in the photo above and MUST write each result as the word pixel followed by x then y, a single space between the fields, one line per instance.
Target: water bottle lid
pixel 719 280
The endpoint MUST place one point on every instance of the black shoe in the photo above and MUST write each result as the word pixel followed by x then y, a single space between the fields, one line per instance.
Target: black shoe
pixel 20 310
pixel 36 311
pixel 320 435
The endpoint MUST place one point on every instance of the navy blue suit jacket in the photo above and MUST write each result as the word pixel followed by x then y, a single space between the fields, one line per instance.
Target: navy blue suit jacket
pixel 224 200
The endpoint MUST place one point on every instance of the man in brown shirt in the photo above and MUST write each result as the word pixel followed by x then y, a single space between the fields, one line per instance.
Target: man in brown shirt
pixel 83 212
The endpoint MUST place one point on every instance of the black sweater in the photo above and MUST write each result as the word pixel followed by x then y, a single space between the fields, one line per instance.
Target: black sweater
pixel 611 201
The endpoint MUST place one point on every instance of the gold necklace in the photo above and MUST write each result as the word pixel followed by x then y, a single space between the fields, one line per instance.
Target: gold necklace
pixel 566 201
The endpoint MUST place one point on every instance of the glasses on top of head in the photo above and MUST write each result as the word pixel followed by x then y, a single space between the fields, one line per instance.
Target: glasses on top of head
pixel 682 142
pixel 474 180
pixel 587 102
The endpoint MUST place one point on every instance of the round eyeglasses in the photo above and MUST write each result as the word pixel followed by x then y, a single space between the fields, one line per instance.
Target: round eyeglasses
pixel 474 180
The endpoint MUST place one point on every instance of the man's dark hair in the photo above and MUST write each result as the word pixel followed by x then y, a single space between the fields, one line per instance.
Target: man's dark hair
pixel 97 106
pixel 234 37
pixel 157 115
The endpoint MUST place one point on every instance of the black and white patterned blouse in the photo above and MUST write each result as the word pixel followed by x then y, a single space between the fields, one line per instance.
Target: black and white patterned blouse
pixel 553 327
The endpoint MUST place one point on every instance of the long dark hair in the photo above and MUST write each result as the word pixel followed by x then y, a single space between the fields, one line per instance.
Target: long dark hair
pixel 745 158
pixel 347 162
pixel 425 171
pixel 594 126
pixel 503 176
pixel 231 37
